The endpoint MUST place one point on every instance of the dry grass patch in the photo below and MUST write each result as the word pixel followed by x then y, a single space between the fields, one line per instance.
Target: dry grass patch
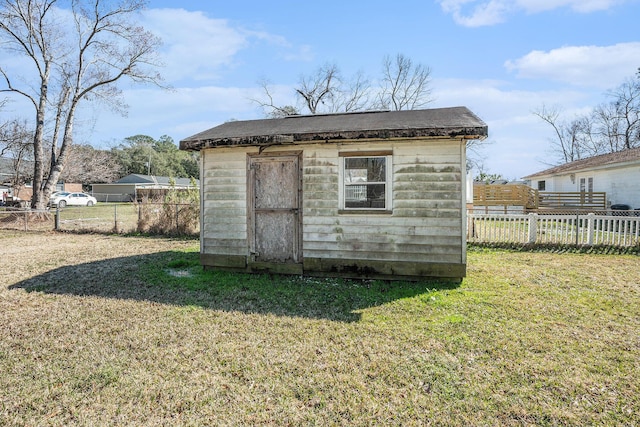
pixel 110 330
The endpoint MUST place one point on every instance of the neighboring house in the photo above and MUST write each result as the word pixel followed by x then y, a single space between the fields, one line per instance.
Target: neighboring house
pixel 8 175
pixel 370 194
pixel 617 174
pixel 25 191
pixel 131 187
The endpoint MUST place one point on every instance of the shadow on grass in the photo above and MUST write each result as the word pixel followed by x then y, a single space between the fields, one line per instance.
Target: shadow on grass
pixel 177 278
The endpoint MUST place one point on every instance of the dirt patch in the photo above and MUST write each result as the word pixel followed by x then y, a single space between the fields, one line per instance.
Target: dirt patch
pixel 179 273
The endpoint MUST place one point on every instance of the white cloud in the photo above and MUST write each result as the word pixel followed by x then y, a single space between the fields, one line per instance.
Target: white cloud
pixel 499 101
pixel 182 112
pixel 477 13
pixel 581 6
pixel 199 48
pixel 602 67
pixel 481 13
pixel 195 46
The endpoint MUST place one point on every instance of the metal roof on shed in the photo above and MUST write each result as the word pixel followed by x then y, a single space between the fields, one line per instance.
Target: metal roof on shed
pixel 454 122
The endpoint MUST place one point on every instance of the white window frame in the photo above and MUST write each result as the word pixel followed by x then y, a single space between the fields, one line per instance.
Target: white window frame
pixel 585 186
pixel 388 182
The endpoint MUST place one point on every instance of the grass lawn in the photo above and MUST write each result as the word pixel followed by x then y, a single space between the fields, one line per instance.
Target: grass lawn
pixel 101 217
pixel 112 330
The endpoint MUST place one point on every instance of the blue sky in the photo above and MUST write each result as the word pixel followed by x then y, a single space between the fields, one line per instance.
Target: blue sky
pixel 501 58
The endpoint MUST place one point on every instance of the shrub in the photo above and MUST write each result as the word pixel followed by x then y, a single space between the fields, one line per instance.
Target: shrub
pixel 175 211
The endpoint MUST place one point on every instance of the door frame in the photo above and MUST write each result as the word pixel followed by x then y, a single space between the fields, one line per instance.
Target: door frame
pixel 276 267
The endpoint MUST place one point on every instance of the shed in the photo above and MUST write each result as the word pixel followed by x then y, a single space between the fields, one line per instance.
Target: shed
pixel 368 195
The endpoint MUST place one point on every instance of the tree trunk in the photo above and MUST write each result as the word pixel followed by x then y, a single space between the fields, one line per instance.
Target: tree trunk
pixel 38 149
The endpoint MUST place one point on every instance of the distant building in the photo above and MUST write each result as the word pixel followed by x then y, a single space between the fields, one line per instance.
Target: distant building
pixel 617 174
pixel 135 186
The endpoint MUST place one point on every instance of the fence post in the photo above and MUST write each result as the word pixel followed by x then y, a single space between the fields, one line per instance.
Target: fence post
pixel 533 227
pixel 57 219
pixel 177 214
pixel 115 218
pixel 591 217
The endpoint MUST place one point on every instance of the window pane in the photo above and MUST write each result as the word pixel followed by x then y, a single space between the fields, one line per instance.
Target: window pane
pixel 364 169
pixel 365 196
pixel 365 182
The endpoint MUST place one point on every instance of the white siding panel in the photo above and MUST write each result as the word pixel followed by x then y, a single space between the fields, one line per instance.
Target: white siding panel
pixel 622 185
pixel 434 257
pixel 320 182
pixel 426 222
pixel 224 202
pixel 424 226
pixel 383 225
pixel 620 182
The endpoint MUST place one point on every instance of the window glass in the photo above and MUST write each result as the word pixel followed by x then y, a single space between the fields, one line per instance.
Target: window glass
pixel 365 185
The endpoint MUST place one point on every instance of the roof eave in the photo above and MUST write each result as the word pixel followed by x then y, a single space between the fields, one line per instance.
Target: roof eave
pixel 467 133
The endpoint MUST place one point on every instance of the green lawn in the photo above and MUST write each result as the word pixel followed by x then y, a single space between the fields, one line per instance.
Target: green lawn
pixel 110 330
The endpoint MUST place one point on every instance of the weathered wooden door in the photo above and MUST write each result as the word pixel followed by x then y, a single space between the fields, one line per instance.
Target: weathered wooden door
pixel 274 209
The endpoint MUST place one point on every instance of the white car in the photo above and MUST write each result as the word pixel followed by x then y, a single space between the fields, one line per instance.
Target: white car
pixel 64 198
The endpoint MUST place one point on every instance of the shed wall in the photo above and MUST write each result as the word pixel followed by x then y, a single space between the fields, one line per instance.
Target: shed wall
pixel 224 204
pixel 422 237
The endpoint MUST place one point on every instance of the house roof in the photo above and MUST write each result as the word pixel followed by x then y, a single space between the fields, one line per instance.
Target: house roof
pixel 603 160
pixel 454 122
pixel 135 178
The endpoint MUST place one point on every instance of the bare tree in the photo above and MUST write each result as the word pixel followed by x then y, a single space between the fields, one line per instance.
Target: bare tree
pixel 76 55
pixel 323 92
pixel 320 88
pixel 569 136
pixel 621 119
pixel 268 105
pixel 16 144
pixel 405 85
pixel 611 126
pixel 606 128
pixel 88 165
pixel 354 94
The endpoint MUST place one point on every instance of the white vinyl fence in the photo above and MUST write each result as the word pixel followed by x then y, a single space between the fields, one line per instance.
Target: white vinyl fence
pixel 567 229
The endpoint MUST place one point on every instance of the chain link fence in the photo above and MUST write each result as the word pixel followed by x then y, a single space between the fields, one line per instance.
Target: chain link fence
pixel 124 218
pixel 25 220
